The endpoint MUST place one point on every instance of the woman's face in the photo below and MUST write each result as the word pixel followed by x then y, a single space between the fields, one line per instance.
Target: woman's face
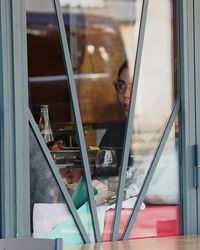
pixel 125 95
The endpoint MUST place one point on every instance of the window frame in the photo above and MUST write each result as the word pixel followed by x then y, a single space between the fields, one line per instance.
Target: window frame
pixel 14 135
pixel 14 127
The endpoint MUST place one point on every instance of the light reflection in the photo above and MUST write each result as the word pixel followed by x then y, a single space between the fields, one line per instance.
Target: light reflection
pixel 82 3
pixel 36 32
pixel 104 53
pixel 90 49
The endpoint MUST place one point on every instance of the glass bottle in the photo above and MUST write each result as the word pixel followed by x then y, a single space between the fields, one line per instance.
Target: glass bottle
pixel 45 126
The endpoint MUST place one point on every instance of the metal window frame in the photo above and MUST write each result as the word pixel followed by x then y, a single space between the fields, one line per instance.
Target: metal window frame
pixel 187 117
pixel 15 208
pixel 14 136
pixel 197 100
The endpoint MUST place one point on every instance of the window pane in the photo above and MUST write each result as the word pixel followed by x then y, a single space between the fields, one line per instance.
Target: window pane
pixel 48 88
pixel 102 38
pixel 157 91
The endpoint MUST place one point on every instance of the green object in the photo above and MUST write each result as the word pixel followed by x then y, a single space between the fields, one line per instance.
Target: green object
pixel 68 229
pixel 80 195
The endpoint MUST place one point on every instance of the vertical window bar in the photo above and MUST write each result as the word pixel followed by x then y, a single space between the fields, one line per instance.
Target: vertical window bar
pixel 79 127
pixel 15 219
pixel 196 7
pixel 130 120
pixel 7 195
pixel 152 168
pixel 186 60
pixel 56 174
pixel 20 118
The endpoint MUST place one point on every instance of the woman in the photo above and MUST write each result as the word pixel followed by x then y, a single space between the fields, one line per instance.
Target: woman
pixel 114 136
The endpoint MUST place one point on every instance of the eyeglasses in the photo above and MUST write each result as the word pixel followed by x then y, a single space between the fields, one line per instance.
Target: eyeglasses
pixel 120 86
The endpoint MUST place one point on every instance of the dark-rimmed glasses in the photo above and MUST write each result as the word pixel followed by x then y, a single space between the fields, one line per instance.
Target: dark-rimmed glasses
pixel 120 86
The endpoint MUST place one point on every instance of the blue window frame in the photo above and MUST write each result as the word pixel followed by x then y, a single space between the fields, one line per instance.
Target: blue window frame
pixel 14 135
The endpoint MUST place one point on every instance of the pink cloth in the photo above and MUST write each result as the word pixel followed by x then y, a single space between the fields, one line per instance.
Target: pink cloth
pixel 154 221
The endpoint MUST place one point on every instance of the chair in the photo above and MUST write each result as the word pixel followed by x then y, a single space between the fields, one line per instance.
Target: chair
pixel 30 244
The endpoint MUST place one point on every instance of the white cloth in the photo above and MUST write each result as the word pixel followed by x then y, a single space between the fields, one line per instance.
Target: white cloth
pixel 47 216
pixel 164 187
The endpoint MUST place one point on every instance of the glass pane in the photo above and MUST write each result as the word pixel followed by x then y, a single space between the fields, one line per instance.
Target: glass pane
pixel 51 106
pixel 157 86
pixel 51 217
pixel 157 91
pixel 110 36
pixel 160 210
pixel 102 35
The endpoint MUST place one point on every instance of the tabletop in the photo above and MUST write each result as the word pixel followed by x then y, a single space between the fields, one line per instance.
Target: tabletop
pixel 164 243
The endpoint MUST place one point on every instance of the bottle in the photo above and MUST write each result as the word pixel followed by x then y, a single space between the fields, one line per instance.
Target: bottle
pixel 45 126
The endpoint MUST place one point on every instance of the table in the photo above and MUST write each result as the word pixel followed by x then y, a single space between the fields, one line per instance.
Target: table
pixel 164 243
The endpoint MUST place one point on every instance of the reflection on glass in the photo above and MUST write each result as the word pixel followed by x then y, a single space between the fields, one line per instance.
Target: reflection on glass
pixel 105 100
pixel 48 86
pixel 164 188
pixel 167 169
pixel 154 103
pixel 162 199
pixel 102 41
